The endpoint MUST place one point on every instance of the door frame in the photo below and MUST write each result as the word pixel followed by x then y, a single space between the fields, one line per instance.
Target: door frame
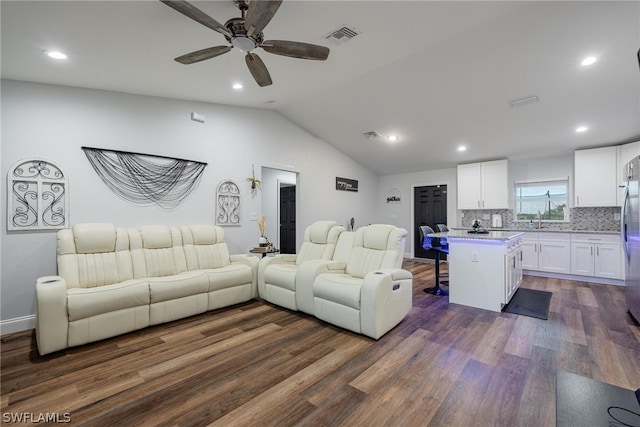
pixel 452 207
pixel 295 172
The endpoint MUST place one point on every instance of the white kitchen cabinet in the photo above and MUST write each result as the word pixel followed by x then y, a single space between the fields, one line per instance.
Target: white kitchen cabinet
pixel 530 251
pixel 554 252
pixel 625 153
pixel 546 251
pixel 595 177
pixel 484 185
pixel 596 255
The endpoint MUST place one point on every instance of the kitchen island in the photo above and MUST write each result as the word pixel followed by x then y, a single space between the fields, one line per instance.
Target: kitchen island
pixel 485 270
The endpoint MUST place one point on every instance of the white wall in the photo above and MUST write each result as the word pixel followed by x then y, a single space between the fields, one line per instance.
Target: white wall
pixel 54 122
pixel 401 214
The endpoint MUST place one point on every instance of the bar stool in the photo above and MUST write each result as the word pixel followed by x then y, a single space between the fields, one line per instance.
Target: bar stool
pixel 442 228
pixel 435 244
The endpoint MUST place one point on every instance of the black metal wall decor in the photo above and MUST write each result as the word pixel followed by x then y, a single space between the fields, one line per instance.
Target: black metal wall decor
pixel 146 179
pixel 37 196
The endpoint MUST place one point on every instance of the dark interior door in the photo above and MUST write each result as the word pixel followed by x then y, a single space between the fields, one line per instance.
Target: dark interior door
pixel 430 208
pixel 288 220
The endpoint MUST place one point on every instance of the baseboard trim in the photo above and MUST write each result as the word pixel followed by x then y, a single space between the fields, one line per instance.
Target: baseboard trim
pixel 577 278
pixel 17 324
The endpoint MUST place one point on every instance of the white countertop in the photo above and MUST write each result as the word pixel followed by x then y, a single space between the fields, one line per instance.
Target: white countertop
pixel 491 235
pixel 544 230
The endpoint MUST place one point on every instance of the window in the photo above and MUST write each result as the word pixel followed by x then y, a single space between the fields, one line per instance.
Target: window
pixel 547 199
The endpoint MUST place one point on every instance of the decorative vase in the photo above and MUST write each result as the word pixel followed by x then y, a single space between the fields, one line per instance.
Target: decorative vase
pixel 262 242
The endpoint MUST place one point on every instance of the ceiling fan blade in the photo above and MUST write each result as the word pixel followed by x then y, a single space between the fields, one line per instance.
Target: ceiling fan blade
pixel 259 15
pixel 296 49
pixel 190 11
pixel 258 69
pixel 201 55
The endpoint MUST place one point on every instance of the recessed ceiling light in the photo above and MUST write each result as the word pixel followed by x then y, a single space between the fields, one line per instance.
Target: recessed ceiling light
pixel 392 138
pixel 588 61
pixel 55 54
pixel 237 86
pixel 462 148
pixel 581 129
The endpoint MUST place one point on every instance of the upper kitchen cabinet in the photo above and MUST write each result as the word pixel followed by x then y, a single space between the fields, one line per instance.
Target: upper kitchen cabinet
pixel 484 185
pixel 626 152
pixel 595 177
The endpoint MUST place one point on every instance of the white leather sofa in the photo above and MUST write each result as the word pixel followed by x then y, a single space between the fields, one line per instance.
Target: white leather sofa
pixel 369 293
pixel 114 280
pixel 277 278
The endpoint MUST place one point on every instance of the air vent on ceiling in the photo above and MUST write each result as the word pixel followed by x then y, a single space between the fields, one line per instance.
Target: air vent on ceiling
pixel 372 134
pixel 342 35
pixel 524 101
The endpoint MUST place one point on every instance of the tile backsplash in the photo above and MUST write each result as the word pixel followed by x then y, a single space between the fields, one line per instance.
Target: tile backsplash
pixel 596 219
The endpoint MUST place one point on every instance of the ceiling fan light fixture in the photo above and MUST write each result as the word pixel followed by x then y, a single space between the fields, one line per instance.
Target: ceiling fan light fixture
pixel 243 43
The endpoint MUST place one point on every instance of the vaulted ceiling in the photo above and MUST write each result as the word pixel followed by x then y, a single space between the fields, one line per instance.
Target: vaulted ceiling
pixel 436 74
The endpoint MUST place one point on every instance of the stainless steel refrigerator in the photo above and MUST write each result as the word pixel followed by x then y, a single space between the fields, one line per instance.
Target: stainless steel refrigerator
pixel 631 237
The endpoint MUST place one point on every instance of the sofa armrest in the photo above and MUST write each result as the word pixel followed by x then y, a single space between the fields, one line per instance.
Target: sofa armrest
pixel 52 321
pixel 336 267
pixel 385 299
pixel 306 275
pixel 252 262
pixel 269 260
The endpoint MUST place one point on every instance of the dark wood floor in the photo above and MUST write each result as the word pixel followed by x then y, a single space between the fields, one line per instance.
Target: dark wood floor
pixel 258 364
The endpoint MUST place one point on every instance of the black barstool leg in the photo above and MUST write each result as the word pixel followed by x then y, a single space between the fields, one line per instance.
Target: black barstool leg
pixel 437 290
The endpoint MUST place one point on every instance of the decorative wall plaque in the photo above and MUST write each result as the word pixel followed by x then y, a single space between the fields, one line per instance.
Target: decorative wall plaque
pixel 346 184
pixel 37 193
pixel 228 203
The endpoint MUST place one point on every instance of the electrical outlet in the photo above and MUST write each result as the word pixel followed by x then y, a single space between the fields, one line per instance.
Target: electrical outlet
pixel 616 216
pixel 253 216
pixel 474 257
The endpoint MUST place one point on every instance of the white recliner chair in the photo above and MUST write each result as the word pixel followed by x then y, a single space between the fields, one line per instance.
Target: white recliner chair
pixel 370 293
pixel 277 275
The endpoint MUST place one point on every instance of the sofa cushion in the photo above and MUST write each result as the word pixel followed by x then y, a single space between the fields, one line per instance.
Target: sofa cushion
pixel 156 237
pixel 92 238
pixel 376 236
pixel 178 286
pixel 229 276
pixel 281 275
pixel 342 289
pixel 319 231
pixel 87 302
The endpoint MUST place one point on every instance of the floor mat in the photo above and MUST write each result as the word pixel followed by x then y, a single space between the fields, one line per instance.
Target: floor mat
pixel 530 302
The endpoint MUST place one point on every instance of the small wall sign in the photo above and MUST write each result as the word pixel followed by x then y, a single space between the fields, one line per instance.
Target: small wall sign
pixel 346 184
pixel 394 196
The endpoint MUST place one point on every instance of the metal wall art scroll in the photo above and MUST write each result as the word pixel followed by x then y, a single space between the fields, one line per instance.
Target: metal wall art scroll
pixel 228 203
pixel 38 197
pixel 146 179
pixel 346 184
